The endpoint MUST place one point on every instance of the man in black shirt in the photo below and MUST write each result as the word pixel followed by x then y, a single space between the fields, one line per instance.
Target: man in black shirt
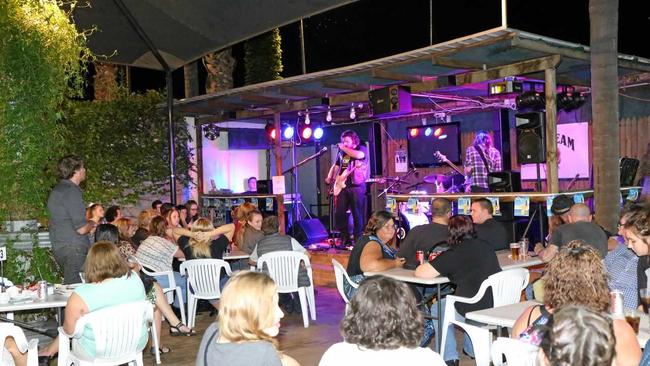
pixel 487 228
pixel 424 237
pixel 352 160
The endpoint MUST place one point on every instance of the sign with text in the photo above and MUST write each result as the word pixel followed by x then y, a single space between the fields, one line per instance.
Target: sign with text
pixel 572 151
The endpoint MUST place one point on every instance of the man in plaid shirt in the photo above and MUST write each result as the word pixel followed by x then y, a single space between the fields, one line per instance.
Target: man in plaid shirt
pixel 475 167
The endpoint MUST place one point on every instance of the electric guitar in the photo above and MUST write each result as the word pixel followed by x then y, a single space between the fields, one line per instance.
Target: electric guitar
pixel 339 182
pixel 440 156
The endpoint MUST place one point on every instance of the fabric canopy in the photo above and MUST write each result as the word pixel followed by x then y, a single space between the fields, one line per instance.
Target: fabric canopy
pixel 183 30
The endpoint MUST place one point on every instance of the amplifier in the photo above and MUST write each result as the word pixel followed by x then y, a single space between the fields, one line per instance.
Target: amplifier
pixel 391 100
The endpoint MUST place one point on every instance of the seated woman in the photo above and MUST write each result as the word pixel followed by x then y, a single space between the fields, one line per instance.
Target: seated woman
pixel 109 282
pixel 249 320
pixel 156 254
pixel 468 262
pixel 195 248
pixel 95 213
pixel 126 229
pixel 251 233
pixel 578 336
pixel 381 330
pixel 142 232
pixel 576 276
pixel 374 250
pixel 239 217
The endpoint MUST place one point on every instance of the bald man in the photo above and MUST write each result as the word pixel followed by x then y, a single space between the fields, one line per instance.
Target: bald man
pixel 580 227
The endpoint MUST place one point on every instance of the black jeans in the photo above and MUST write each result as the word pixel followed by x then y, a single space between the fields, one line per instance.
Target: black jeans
pixel 351 198
pixel 71 259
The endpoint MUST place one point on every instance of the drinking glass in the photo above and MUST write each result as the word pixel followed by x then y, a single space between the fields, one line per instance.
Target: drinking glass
pixel 644 295
pixel 514 251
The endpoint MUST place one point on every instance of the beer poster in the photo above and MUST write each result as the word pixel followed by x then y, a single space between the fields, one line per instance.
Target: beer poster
pixel 522 206
pixel 579 198
pixel 391 205
pixel 495 205
pixel 549 203
pixel 464 204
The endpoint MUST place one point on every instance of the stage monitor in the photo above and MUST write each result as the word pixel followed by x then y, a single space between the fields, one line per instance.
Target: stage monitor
pixel 424 141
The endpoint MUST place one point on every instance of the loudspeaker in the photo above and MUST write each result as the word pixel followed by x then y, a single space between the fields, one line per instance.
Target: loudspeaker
pixel 506 181
pixel 391 100
pixel 628 167
pixel 308 231
pixel 265 186
pixel 531 141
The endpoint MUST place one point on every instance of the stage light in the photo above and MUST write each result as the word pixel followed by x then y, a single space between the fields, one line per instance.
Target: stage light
pixel 569 101
pixel 531 99
pixel 428 132
pixel 442 137
pixel 306 133
pixel 211 131
pixel 318 133
pixel 328 116
pixel 438 132
pixel 288 132
pixel 353 113
pixel 270 130
pixel 414 132
pixel 307 120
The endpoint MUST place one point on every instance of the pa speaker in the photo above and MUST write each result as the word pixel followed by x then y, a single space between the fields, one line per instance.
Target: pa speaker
pixel 391 100
pixel 628 167
pixel 531 141
pixel 265 186
pixel 504 181
pixel 308 231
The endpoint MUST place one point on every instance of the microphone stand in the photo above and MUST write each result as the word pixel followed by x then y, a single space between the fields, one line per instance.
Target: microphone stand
pixel 398 180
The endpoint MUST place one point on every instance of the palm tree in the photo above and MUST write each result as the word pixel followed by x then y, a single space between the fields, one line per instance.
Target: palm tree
pixel 105 81
pixel 191 79
pixel 603 15
pixel 220 66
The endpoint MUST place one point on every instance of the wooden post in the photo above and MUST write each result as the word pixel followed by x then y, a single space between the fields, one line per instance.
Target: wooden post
pixel 277 152
pixel 552 183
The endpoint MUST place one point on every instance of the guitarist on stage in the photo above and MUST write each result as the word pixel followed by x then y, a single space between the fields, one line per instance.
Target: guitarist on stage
pixel 480 159
pixel 348 174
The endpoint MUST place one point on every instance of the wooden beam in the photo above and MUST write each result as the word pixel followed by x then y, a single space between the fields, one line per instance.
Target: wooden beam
pixel 345 85
pixel 261 99
pixel 349 98
pixel 456 64
pixel 634 79
pixel 396 76
pixel 299 92
pixel 287 107
pixel 519 68
pixel 277 153
pixel 550 87
pixel 424 86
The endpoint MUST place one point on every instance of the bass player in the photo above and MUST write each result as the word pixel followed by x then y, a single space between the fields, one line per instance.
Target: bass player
pixel 348 176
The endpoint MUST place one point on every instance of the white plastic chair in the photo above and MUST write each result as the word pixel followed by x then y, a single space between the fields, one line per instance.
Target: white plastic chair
pixel 203 277
pixel 516 352
pixel 506 289
pixel 31 347
pixel 481 342
pixel 168 291
pixel 341 276
pixel 283 268
pixel 117 330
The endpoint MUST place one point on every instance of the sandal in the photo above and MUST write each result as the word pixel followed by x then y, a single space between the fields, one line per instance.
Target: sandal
pixel 175 330
pixel 162 350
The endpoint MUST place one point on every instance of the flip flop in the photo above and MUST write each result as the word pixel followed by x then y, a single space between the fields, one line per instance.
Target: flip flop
pixel 162 350
pixel 175 330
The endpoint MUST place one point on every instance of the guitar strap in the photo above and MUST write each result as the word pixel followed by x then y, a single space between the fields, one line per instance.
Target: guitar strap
pixel 482 155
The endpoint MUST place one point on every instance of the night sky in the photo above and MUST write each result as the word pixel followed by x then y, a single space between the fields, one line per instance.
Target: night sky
pixel 371 29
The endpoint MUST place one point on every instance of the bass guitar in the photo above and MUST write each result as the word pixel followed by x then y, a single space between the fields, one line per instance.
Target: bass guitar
pixel 339 182
pixel 440 156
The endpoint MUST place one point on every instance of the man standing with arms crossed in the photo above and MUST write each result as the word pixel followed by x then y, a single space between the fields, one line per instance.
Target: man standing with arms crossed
pixel 68 226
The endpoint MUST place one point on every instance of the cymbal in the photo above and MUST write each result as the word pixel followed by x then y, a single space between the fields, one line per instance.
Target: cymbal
pixel 434 178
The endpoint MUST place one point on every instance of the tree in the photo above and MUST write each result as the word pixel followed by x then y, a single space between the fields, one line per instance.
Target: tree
pixel 220 66
pixel 191 79
pixel 263 57
pixel 603 15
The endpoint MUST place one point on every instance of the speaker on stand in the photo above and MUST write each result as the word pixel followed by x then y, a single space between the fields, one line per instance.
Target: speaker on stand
pixel 531 140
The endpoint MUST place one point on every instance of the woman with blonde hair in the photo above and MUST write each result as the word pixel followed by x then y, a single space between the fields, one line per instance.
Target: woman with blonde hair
pixel 249 321
pixel 576 276
pixel 142 232
pixel 251 232
pixel 194 248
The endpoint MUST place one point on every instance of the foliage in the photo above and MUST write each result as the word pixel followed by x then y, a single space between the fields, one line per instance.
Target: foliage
pixel 124 145
pixel 263 57
pixel 30 266
pixel 42 59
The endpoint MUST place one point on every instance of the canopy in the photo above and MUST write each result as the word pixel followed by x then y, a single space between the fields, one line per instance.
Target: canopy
pixel 183 31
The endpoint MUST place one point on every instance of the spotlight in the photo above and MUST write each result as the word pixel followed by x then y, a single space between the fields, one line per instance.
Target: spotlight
pixel 307 120
pixel 318 133
pixel 437 132
pixel 288 133
pixel 531 99
pixel 306 133
pixel 270 130
pixel 211 131
pixel 414 132
pixel 353 113
pixel 428 132
pixel 328 116
pixel 569 101
pixel 442 137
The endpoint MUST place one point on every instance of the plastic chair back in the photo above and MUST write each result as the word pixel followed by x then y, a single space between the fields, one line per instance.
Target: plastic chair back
pixel 31 347
pixel 507 285
pixel 283 268
pixel 341 276
pixel 203 276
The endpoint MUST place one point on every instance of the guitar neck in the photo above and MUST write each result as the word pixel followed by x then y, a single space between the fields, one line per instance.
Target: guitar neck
pixel 455 167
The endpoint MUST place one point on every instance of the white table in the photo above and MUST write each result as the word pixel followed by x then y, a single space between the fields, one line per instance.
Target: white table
pixel 407 275
pixel 56 301
pixel 235 254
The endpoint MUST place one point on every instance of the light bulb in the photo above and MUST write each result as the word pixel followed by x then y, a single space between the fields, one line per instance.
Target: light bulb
pixel 328 116
pixel 307 120
pixel 353 113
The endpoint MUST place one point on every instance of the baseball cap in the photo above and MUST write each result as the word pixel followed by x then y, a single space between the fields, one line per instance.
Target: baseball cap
pixel 561 205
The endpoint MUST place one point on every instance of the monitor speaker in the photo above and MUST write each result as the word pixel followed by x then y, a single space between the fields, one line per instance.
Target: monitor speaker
pixel 507 181
pixel 265 186
pixel 308 231
pixel 531 141
pixel 391 100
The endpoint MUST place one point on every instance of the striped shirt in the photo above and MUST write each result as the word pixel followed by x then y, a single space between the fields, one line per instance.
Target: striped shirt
pixel 156 253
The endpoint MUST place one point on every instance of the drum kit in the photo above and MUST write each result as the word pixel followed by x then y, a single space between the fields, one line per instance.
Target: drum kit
pixel 430 184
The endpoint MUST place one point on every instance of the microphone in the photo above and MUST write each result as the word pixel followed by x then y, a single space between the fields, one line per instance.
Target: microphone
pixel 323 150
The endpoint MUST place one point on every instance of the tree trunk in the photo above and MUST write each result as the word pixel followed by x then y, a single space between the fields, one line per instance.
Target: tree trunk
pixel 105 81
pixel 191 79
pixel 603 15
pixel 220 67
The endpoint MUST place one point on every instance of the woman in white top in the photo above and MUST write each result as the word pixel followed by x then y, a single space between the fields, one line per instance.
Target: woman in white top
pixel 381 327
